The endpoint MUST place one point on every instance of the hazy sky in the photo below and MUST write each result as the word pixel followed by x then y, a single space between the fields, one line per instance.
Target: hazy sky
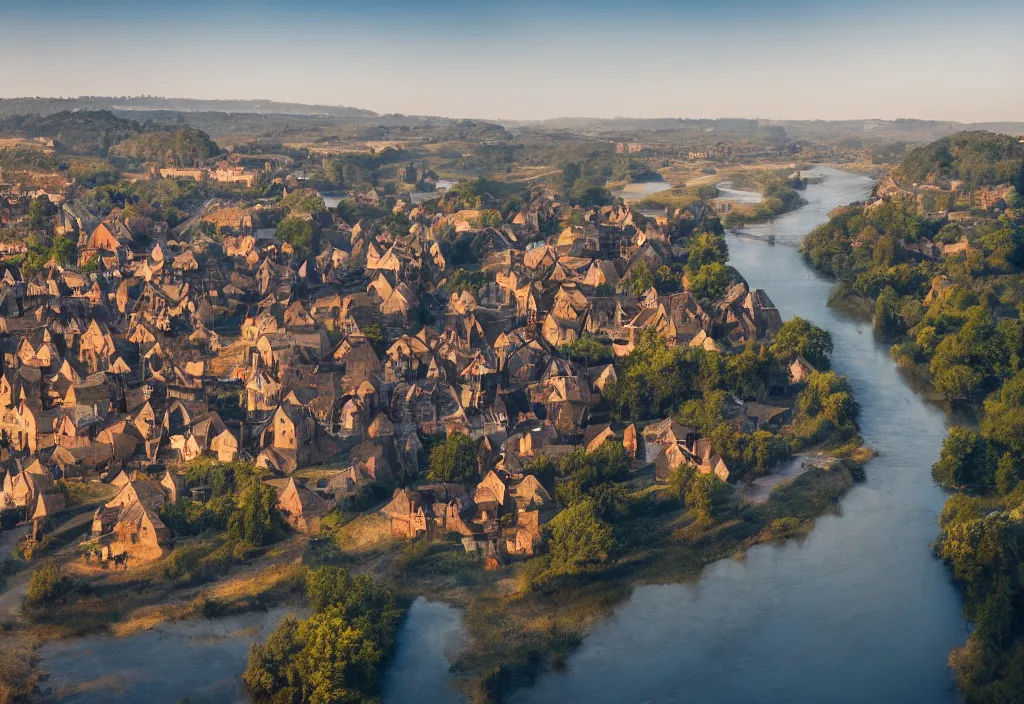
pixel 523 59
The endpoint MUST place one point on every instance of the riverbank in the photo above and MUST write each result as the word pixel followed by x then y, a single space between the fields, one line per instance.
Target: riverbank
pixel 514 632
pixel 946 298
pixel 858 609
pixel 126 608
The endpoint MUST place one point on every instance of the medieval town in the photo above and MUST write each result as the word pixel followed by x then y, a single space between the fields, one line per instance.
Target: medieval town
pixel 180 346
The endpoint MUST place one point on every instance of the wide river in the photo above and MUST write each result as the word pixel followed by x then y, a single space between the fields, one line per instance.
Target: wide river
pixel 859 611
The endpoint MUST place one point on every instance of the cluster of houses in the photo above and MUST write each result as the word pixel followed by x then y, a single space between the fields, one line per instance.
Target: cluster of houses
pixel 345 361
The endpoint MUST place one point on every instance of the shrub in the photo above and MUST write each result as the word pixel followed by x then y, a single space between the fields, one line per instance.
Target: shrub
pixel 49 587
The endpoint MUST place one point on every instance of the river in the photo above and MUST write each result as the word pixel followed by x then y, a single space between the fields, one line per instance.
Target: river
pixel 640 190
pixel 200 661
pixel 859 611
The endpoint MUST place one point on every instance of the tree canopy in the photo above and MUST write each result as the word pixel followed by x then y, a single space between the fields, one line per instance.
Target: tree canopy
pixel 454 459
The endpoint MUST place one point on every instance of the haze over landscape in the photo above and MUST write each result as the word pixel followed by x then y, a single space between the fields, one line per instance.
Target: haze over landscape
pixel 792 59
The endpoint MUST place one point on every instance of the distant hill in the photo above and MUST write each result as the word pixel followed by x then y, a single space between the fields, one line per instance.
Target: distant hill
pixel 183 147
pixel 977 158
pixel 46 106
pixel 88 132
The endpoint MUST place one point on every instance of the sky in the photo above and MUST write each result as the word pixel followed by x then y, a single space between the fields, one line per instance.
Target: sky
pixel 535 59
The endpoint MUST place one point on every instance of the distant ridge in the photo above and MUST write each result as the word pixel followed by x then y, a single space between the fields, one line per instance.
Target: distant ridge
pixel 46 106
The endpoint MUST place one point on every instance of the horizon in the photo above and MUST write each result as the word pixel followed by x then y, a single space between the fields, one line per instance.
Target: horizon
pixel 536 61
pixel 499 119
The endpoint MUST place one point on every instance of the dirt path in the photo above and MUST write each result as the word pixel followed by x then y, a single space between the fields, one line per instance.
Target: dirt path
pixel 10 538
pixel 17 585
pixel 759 490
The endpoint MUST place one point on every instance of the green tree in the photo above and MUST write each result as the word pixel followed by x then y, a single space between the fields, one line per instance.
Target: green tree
pixel 588 194
pixel 590 350
pixel 798 337
pixel 710 282
pixel 37 211
pixel 887 322
pixel 641 280
pixel 707 496
pixel 256 515
pixel 49 586
pixel 333 656
pixel 707 248
pixel 571 172
pixel 704 414
pixel 958 381
pixel 304 201
pixel 579 539
pixel 298 232
pixel 454 459
pixel 64 251
pixel 965 459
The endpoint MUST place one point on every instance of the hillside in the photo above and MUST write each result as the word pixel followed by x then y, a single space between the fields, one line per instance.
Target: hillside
pixel 45 106
pixel 182 147
pixel 977 158
pixel 79 133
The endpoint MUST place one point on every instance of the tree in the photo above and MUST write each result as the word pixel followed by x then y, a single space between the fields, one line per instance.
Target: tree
pixel 590 350
pixel 680 480
pixel 640 279
pixel 579 539
pixel 707 248
pixel 336 654
pixel 488 218
pixel 586 474
pixel 588 194
pixel 798 337
pixel 64 251
pixel 48 586
pixel 705 413
pixel 304 201
pixel 454 459
pixel 710 281
pixel 256 516
pixel 956 382
pixel 298 232
pixel 706 496
pixel 887 322
pixel 965 459
pixel 37 212
pixel 571 173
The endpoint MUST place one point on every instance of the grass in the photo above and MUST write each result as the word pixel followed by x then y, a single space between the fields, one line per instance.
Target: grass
pixel 79 493
pixel 675 197
pixel 17 668
pixel 366 533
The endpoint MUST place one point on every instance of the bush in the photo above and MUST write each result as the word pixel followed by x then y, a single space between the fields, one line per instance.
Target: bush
pixel 49 587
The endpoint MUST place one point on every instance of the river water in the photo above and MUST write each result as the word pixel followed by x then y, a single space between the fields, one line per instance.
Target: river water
pixel 859 611
pixel 640 190
pixel 198 660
